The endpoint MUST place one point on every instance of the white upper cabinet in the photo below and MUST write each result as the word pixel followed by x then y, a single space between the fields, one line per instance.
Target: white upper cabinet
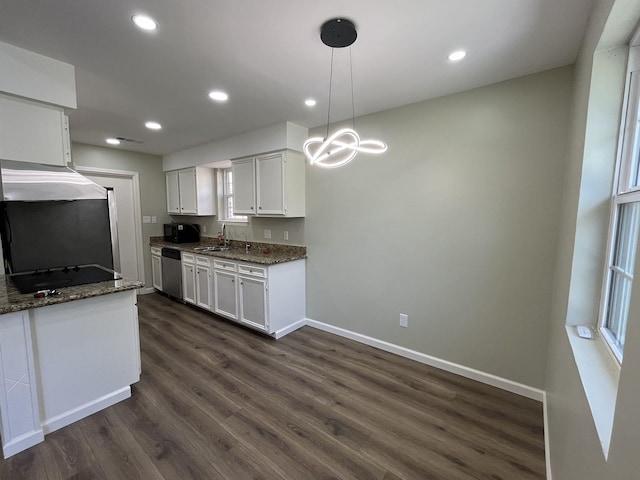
pixel 270 185
pixel 191 191
pixel 244 186
pixel 32 132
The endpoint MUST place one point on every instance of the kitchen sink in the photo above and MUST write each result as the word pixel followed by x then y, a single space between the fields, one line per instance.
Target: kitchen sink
pixel 211 249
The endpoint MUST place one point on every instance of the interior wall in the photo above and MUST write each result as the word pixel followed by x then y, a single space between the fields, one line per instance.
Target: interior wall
pixel 575 450
pixel 153 197
pixel 455 226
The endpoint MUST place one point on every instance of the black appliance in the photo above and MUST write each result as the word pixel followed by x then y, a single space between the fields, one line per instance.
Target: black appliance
pixel 181 232
pixel 61 277
pixel 171 273
pixel 57 227
pixel 56 234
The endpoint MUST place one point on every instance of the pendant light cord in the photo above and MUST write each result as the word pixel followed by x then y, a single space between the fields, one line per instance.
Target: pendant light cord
pixel 330 80
pixel 353 107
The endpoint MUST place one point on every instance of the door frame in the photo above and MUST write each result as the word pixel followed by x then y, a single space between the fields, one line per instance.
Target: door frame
pixel 137 211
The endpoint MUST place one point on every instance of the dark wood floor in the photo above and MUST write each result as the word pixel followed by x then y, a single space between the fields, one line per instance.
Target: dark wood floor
pixel 217 401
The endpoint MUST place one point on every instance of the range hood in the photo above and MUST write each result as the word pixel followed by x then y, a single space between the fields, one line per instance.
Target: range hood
pixel 33 182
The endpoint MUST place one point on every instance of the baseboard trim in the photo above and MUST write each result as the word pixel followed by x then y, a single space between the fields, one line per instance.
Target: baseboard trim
pixel 547 446
pixel 78 413
pixel 23 442
pixel 145 291
pixel 487 378
pixel 290 328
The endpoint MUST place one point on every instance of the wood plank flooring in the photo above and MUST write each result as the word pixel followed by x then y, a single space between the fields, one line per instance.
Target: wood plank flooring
pixel 217 401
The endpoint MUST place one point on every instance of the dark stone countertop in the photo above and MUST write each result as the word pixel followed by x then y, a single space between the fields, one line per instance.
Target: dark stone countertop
pixel 277 253
pixel 11 300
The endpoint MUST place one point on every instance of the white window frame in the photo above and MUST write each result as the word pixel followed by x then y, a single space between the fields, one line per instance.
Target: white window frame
pixel 627 166
pixel 224 199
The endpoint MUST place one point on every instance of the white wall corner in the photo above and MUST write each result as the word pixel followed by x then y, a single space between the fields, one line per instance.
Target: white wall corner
pixel 296 136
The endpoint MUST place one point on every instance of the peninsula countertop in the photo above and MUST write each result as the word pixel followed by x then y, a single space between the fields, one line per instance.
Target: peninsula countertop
pixel 11 300
pixel 277 253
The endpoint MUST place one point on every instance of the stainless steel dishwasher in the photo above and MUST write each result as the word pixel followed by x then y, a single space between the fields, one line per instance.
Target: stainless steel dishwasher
pixel 171 273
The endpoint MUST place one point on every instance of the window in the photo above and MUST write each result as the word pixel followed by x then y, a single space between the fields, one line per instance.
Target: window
pixel 625 220
pixel 227 198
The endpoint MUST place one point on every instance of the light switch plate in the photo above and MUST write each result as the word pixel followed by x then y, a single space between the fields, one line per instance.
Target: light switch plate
pixel 267 233
pixel 146 219
pixel 154 219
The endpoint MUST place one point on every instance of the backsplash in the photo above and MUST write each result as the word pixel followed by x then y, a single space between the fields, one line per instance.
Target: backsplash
pixel 253 230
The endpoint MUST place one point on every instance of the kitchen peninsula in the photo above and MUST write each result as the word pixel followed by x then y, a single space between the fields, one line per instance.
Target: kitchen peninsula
pixel 64 357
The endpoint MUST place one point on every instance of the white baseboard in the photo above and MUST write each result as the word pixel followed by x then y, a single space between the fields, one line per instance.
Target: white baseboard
pixel 78 413
pixel 290 328
pixel 23 442
pixel 487 378
pixel 145 291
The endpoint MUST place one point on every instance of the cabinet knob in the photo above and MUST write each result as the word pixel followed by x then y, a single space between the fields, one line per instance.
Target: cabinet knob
pixel 233 280
pixel 251 208
pixel 259 208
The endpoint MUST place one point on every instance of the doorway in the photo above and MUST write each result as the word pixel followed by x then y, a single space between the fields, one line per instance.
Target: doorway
pixel 126 186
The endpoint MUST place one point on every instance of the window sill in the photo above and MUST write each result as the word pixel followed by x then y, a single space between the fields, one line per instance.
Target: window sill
pixel 599 374
pixel 235 222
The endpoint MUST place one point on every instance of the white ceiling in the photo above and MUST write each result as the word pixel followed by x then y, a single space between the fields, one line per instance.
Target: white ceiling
pixel 268 56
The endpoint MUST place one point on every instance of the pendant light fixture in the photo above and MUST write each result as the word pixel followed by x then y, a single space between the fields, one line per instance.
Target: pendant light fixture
pixel 343 145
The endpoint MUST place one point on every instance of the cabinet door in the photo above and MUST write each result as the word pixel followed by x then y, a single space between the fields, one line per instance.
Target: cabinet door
pixel 225 299
pixel 244 187
pixel 188 192
pixel 31 132
pixel 156 270
pixel 270 180
pixel 253 303
pixel 173 193
pixel 189 283
pixel 203 287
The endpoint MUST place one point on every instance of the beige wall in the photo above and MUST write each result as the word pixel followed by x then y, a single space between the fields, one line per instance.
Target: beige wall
pixel 455 226
pixel 576 453
pixel 153 198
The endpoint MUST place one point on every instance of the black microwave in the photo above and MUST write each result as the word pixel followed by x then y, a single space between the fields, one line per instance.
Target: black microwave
pixel 181 232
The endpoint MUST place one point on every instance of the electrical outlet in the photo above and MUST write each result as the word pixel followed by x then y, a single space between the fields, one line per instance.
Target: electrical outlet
pixel 154 219
pixel 267 233
pixel 404 320
pixel 204 229
pixel 286 235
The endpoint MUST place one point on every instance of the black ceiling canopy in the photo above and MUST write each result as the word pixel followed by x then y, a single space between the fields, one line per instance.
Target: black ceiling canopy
pixel 338 33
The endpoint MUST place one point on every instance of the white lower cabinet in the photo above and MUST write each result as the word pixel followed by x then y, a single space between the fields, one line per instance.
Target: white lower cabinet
pixel 253 303
pixel 266 298
pixel 203 283
pixel 196 280
pixel 225 292
pixel 189 278
pixel 156 267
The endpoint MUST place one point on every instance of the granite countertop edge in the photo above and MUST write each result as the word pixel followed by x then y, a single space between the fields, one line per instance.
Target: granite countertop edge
pixel 277 253
pixel 12 302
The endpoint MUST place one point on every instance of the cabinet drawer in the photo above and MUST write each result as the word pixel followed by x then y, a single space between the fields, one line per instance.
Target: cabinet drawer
pixel 224 265
pixel 204 261
pixel 252 270
pixel 156 251
pixel 188 258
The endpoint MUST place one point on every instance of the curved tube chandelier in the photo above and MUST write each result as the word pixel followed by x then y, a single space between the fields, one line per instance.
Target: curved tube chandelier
pixel 342 146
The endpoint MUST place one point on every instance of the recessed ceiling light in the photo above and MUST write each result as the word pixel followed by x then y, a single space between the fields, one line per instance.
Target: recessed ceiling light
pixel 457 55
pixel 310 102
pixel 113 141
pixel 218 96
pixel 153 125
pixel 144 22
